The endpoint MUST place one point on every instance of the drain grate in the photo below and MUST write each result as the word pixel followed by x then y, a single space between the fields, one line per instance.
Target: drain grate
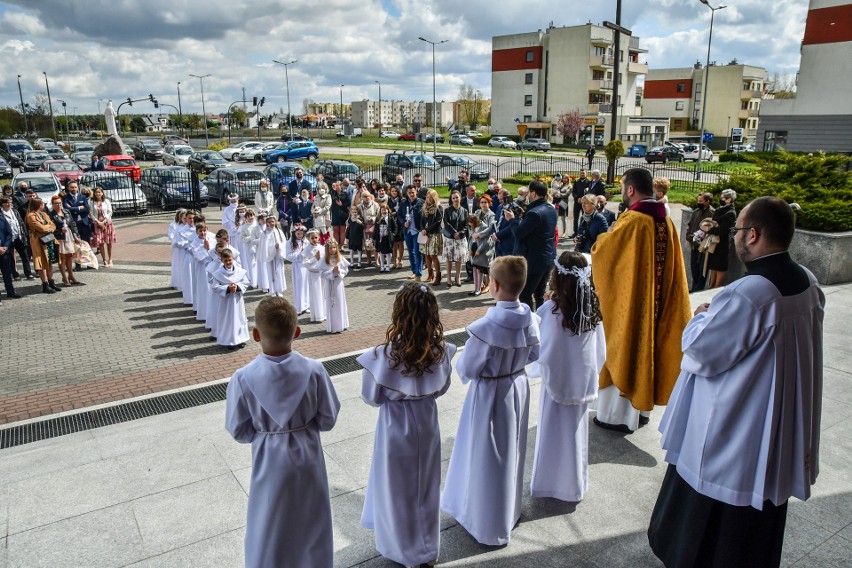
pixel 125 412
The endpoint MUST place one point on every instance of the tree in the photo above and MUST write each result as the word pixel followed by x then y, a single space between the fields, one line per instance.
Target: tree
pixel 137 124
pixel 470 103
pixel 782 85
pixel 238 117
pixel 613 151
pixel 569 124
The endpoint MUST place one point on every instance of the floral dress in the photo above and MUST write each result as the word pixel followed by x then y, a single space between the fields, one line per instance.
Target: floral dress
pixel 102 235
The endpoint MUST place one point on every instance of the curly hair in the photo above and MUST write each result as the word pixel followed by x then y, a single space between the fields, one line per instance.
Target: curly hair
pixel 563 292
pixel 415 337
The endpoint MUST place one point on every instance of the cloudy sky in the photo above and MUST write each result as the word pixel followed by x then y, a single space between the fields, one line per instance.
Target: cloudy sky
pixel 114 49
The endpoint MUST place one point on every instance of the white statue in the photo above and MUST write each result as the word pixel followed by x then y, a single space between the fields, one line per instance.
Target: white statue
pixel 109 118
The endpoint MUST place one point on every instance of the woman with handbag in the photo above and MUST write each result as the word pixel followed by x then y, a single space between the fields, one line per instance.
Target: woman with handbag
pixel 725 217
pixel 42 239
pixel 103 237
pixel 369 211
pixel 561 191
pixel 66 236
pixel 455 243
pixel 431 219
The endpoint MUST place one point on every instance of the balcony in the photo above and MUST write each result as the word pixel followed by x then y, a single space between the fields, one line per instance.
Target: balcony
pixel 597 85
pixel 744 113
pixel 637 68
pixel 604 40
pixel 599 108
pixel 600 61
pixel 749 94
pixel 753 112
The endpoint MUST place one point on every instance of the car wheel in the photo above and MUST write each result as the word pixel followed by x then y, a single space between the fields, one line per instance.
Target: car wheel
pixel 665 160
pixel 312 157
pixel 680 159
pixel 281 159
pixel 162 202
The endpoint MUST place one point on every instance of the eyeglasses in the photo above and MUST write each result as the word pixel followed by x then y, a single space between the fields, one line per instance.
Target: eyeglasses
pixel 735 229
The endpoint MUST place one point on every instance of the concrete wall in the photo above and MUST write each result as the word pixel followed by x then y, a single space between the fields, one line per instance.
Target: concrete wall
pixel 808 133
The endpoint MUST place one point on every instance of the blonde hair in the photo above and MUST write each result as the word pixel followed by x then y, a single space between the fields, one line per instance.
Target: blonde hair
pixel 662 185
pixel 276 320
pixel 511 273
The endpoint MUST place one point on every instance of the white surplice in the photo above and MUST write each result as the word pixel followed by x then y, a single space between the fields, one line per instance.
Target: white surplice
pixel 570 365
pixel 247 237
pixel 229 221
pixel 336 310
pixel 201 286
pixel 231 322
pixel 742 424
pixel 402 500
pixel 174 282
pixel 276 269
pixel 262 260
pixel 280 405
pixel 485 478
pixel 185 238
pixel 214 302
pixel 316 299
pixel 295 254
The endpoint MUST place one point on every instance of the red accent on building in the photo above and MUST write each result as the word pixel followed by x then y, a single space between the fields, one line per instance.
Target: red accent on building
pixel 516 59
pixel 668 89
pixel 829 25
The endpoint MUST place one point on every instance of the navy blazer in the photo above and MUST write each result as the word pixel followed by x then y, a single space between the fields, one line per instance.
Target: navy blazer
pixel 535 236
pixel 6 235
pixel 587 233
pixel 505 236
pixel 402 211
pixel 72 204
pixel 295 188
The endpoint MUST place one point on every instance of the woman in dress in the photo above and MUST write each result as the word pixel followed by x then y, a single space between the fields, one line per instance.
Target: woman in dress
pixel 41 230
pixel 264 200
pixel 394 199
pixel 725 217
pixel 369 213
pixel 431 220
pixel 455 243
pixel 355 235
pixel 386 229
pixel 65 236
pixel 321 212
pixel 100 212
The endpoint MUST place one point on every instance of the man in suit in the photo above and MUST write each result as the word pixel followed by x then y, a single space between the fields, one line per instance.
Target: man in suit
pixel 590 155
pixel 469 202
pixel 504 240
pixel 20 239
pixel 78 206
pixel 7 237
pixel 608 215
pixel 580 188
pixel 597 186
pixel 295 187
pixel 408 215
pixel 535 241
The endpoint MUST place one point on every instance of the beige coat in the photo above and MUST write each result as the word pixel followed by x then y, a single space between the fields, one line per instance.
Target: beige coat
pixel 39 224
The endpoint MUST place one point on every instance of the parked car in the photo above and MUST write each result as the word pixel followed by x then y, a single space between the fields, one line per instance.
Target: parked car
pixel 691 153
pixel 44 143
pixel 289 151
pixel 173 139
pixel 535 144
pixel 408 136
pixel 81 147
pixel 13 151
pixel 176 154
pixel 637 151
pixel 296 137
pixel 124 195
pixel 738 148
pixel 56 153
pixel 663 154
pixel 146 149
pixel 45 184
pixel 285 172
pixel 389 134
pixel 461 140
pixel 256 154
pixel 398 163
pixel 355 132
pixel 234 151
pixel 206 161
pixel 243 181
pixel 33 159
pixel 5 169
pixel 502 142
pixel 170 186
pixel 63 170
pixel 429 136
pixel 476 170
pixel 83 159
pixel 124 164
pixel 335 170
pixel 474 134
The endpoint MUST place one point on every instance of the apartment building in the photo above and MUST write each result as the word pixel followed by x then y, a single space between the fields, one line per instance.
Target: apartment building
pixel 733 100
pixel 820 115
pixel 330 109
pixel 400 114
pixel 538 76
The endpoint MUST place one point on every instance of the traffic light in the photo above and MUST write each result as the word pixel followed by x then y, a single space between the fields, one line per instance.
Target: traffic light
pixel 151 97
pixel 262 100
pixel 129 101
pixel 156 104
pixel 254 101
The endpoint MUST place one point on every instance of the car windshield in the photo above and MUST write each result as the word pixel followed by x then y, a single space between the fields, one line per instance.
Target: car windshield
pixel 55 151
pixel 63 167
pixel 171 176
pixel 108 182
pixel 184 151
pixel 249 176
pixel 19 147
pixel 37 155
pixel 151 143
pixel 42 184
pixel 84 147
pixel 420 160
pixel 211 155
pixel 287 171
pixel 348 169
pixel 122 163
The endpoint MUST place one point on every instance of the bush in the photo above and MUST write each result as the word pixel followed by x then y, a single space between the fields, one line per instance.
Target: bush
pixel 218 146
pixel 820 185
pixel 614 150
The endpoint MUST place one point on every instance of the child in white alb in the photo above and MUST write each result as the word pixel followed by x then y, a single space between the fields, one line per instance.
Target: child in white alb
pixel 296 254
pixel 276 253
pixel 261 259
pixel 334 270
pixel 230 283
pixel 249 247
pixel 314 256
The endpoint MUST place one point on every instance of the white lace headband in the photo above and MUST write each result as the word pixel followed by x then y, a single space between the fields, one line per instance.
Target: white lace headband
pixel 584 289
pixel 423 288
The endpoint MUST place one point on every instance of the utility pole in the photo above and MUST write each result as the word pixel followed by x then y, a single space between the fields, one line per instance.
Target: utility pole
pixel 203 109
pixel 23 108
pixel 287 79
pixel 180 111
pixel 434 98
pixel 50 104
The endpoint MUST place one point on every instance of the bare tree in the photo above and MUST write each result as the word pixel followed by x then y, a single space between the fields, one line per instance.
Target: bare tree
pixel 470 102
pixel 306 104
pixel 569 124
pixel 782 85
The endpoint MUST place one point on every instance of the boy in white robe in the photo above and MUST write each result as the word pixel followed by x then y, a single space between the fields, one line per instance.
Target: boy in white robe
pixel 249 247
pixel 276 253
pixel 201 256
pixel 280 402
pixel 214 302
pixel 334 270
pixel 314 256
pixel 185 237
pixel 174 227
pixel 228 215
pixel 485 478
pixel 295 253
pixel 234 237
pixel 230 283
pixel 262 253
pixel 573 350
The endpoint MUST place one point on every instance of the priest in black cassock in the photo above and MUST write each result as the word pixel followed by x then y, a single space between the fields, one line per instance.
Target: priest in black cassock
pixel 741 431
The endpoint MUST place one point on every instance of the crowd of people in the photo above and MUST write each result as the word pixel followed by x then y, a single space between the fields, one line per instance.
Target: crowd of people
pixel 67 232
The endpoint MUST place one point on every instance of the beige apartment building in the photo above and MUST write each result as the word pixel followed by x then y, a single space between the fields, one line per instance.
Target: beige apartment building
pixel 538 76
pixel 400 114
pixel 735 96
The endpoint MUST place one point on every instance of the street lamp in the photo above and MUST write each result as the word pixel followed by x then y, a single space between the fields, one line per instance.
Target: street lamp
pixel 434 99
pixel 340 118
pixel 101 120
pixel 180 111
pixel 49 104
pixel 380 106
pixel 203 109
pixel 706 80
pixel 287 79
pixel 23 108
pixel 65 110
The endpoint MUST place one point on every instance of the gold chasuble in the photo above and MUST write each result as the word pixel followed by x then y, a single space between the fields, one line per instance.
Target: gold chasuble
pixel 640 278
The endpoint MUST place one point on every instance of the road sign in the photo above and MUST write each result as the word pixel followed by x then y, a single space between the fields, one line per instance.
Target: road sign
pixel 522 130
pixel 736 135
pixel 708 137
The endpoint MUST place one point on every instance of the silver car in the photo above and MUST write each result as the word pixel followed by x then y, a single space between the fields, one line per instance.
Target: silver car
pixel 502 142
pixel 124 195
pixel 176 154
pixel 45 184
pixel 539 144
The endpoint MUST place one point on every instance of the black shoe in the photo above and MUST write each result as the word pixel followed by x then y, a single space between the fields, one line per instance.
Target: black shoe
pixel 53 286
pixel 13 295
pixel 644 420
pixel 614 427
pixel 45 289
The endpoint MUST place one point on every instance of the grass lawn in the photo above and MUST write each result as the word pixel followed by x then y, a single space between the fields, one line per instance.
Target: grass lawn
pixel 727 167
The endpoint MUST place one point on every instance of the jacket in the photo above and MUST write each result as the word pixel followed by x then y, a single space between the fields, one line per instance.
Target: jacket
pixel 432 223
pixel 455 221
pixel 106 208
pixel 5 235
pixel 78 206
pixel 587 233
pixel 597 188
pixel 534 236
pixel 505 237
pixel 295 188
pixel 57 220
pixel 406 207
pixel 581 187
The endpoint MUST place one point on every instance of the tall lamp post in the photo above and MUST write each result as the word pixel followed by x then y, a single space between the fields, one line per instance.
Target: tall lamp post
pixel 287 80
pixel 23 108
pixel 340 118
pixel 65 111
pixel 706 80
pixel 49 104
pixel 434 98
pixel 203 109
pixel 379 83
pixel 180 110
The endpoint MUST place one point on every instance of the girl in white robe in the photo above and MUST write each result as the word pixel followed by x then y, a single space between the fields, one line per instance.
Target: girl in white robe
pixel 276 253
pixel 403 492
pixel 296 254
pixel 334 270
pixel 249 247
pixel 234 238
pixel 214 302
pixel 228 215
pixel 314 256
pixel 174 226
pixel 201 256
pixel 186 236
pixel 262 254
pixel 573 350
pixel 230 283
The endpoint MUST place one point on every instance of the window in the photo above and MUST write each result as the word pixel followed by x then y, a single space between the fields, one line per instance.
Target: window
pixel 527 118
pixel 679 105
pixel 528 78
pixel 600 50
pixel 773 141
pixel 530 56
pixel 527 100
pixel 681 87
pixel 597 75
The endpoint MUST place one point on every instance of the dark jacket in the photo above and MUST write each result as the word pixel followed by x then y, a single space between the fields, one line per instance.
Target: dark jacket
pixel 340 213
pixel 432 223
pixel 20 203
pixel 505 236
pixel 302 214
pixel 597 188
pixel 535 236
pixel 73 204
pixel 698 215
pixel 455 221
pixel 282 205
pixel 609 216
pixel 25 235
pixel 5 235
pixel 57 220
pixel 465 201
pixel 581 187
pixel 587 233
pixel 295 188
pixel 406 206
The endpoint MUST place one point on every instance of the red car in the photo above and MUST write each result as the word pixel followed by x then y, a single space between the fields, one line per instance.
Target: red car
pixel 63 170
pixel 408 136
pixel 124 164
